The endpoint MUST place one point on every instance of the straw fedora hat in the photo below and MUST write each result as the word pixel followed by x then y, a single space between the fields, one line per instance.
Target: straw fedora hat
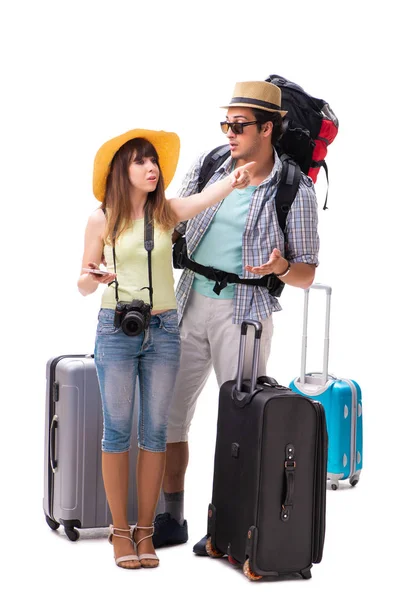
pixel 166 143
pixel 257 94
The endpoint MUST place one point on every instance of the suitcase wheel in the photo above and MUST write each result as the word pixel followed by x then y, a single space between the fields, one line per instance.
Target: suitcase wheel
pixel 334 485
pixel 249 573
pixel 233 561
pixel 72 534
pixel 306 574
pixel 52 524
pixel 354 480
pixel 211 551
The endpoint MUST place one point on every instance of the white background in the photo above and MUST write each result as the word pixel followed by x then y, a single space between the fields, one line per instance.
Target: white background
pixel 75 74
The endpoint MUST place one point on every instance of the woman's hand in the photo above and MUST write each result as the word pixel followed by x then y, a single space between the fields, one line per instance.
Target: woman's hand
pixel 240 177
pixel 106 278
pixel 189 207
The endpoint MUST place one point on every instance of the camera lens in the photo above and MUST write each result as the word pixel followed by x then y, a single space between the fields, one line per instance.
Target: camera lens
pixel 133 323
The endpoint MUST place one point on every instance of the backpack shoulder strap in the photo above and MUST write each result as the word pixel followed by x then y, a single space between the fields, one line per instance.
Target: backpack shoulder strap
pixel 322 163
pixel 287 189
pixel 212 161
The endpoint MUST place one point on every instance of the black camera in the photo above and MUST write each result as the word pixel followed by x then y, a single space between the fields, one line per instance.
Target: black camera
pixel 133 317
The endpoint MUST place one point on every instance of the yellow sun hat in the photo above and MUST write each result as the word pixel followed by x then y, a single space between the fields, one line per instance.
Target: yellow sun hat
pixel 166 143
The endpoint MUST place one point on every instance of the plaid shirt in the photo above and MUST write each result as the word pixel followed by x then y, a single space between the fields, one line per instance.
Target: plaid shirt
pixel 261 235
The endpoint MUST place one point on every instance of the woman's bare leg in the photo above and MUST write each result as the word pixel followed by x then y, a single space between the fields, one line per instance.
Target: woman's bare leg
pixel 116 478
pixel 149 474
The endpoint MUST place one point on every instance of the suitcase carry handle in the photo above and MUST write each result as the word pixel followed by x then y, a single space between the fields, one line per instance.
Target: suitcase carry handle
pixel 328 290
pixel 53 427
pixel 256 353
pixel 265 380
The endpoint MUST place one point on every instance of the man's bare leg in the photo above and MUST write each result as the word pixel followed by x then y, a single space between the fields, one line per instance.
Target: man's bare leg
pixel 175 468
pixel 171 527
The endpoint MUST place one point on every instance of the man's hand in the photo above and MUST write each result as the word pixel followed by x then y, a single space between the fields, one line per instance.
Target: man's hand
pixel 276 264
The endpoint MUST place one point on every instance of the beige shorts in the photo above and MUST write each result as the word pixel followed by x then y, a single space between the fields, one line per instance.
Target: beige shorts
pixel 209 340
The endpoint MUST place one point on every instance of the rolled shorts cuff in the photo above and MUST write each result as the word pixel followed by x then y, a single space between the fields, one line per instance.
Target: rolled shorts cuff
pixel 155 450
pixel 177 434
pixel 110 449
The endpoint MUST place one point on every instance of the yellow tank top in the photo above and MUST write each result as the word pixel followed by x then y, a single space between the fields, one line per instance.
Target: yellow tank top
pixel 132 268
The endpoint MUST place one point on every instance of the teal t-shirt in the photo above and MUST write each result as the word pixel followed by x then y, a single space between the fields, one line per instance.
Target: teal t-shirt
pixel 221 245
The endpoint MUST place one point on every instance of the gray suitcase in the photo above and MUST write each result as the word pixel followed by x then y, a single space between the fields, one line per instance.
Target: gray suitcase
pixel 74 493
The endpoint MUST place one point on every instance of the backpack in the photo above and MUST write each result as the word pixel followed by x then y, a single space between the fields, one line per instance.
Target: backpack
pixel 309 127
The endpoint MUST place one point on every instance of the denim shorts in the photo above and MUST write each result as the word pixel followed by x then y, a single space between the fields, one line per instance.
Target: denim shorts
pixel 121 359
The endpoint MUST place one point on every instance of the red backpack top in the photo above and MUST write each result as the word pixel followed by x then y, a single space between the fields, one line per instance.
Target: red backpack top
pixel 308 128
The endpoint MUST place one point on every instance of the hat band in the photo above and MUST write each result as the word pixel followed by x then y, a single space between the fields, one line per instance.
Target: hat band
pixel 257 102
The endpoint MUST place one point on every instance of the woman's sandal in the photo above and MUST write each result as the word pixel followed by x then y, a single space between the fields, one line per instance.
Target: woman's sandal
pixel 148 561
pixel 122 559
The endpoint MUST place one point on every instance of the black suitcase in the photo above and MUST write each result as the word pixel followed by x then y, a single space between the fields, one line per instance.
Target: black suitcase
pixel 269 489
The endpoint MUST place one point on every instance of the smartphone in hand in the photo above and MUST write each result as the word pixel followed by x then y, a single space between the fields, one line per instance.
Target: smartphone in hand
pixel 96 271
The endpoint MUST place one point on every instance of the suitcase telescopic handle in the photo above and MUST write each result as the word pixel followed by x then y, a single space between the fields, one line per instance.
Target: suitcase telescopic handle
pixel 53 427
pixel 256 353
pixel 328 291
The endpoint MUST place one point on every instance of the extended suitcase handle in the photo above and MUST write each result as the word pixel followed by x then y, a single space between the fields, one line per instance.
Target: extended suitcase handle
pixel 53 427
pixel 320 286
pixel 328 290
pixel 256 353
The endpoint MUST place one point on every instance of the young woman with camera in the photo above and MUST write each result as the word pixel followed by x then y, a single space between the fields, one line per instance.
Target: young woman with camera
pixel 137 332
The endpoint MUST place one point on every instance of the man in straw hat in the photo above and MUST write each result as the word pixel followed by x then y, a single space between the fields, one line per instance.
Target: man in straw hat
pixel 243 237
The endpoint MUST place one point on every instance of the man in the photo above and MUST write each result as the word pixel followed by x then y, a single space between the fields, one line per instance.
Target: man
pixel 239 236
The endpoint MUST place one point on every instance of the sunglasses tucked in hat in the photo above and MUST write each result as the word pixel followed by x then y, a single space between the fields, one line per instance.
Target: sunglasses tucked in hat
pixel 166 143
pixel 257 94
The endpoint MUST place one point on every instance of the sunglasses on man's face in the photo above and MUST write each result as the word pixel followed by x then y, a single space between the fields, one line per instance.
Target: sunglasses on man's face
pixel 237 128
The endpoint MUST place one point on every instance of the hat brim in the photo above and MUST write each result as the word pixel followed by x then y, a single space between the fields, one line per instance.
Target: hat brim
pixel 248 105
pixel 166 143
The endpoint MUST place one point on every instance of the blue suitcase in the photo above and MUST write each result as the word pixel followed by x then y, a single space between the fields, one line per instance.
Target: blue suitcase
pixel 341 399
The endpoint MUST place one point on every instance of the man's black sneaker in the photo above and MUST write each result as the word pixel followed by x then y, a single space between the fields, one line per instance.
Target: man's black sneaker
pixel 200 547
pixel 168 532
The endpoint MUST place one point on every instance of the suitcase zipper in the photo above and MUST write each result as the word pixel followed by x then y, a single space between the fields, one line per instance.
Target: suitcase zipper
pixel 320 484
pixel 353 437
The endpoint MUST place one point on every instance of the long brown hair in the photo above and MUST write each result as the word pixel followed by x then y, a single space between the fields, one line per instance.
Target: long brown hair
pixel 116 201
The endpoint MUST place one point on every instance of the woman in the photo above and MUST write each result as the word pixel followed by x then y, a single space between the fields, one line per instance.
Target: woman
pixel 128 180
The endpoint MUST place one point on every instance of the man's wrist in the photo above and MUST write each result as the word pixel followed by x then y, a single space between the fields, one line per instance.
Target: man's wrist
pixel 286 270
